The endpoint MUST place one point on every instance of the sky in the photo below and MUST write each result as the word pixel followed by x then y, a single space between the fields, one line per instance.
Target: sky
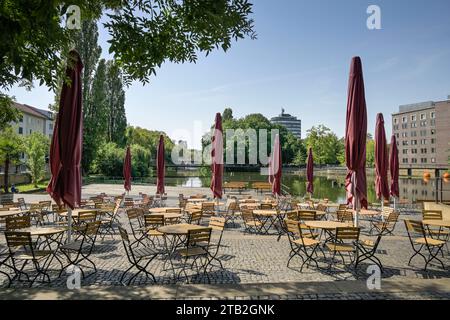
pixel 299 62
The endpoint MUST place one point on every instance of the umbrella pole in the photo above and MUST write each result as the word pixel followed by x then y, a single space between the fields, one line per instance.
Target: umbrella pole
pixel 395 204
pixel 69 223
pixel 356 203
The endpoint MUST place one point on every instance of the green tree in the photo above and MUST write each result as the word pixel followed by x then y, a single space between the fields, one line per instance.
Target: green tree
pixel 370 152
pixel 325 144
pixel 8 114
pixel 115 100
pixel 149 140
pixel 95 117
pixel 144 34
pixel 11 146
pixel 227 114
pixel 36 148
pixel 109 160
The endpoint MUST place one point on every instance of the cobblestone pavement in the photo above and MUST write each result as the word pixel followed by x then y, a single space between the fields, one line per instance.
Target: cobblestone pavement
pixel 257 259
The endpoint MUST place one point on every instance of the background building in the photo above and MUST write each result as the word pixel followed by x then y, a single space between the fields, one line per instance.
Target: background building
pixel 291 123
pixel 423 134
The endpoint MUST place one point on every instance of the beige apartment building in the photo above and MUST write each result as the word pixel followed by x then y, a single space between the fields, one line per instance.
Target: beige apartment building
pixel 423 135
pixel 32 120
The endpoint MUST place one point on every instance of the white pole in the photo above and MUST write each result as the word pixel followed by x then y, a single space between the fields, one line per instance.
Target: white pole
pixel 356 204
pixel 382 208
pixel 395 205
pixel 69 233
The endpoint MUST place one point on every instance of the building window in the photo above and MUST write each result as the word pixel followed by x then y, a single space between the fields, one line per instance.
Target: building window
pixel 405 143
pixel 433 150
pixel 413 117
pixel 433 122
pixel 20 130
pixel 404 134
pixel 414 160
pixel 404 119
pixel 423 123
pixel 404 125
pixel 423 150
pixel 423 141
pixel 433 160
pixel 423 116
pixel 413 133
pixel 413 125
pixel 405 160
pixel 397 135
pixel 413 142
pixel 21 119
pixel 433 140
pixel 31 131
pixel 423 160
pixel 433 115
pixel 405 151
pixel 395 120
pixel 414 151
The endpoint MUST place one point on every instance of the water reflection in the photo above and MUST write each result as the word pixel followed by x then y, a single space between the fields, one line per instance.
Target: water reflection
pixel 331 187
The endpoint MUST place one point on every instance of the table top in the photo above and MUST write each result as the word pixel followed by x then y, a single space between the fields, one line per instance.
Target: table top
pixel 167 215
pixel 179 229
pixel 250 205
pixel 365 212
pixel 76 212
pixel 10 213
pixel 161 209
pixel 43 231
pixel 271 212
pixel 325 224
pixel 437 223
pixel 249 200
pixel 197 200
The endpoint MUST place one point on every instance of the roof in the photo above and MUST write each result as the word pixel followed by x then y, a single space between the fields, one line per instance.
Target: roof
pixel 32 111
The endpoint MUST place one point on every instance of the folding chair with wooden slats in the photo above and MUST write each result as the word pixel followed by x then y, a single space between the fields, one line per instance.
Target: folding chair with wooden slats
pixel 435 232
pixel 139 257
pixel 208 209
pixel 195 217
pixel 23 250
pixel 368 248
pixel 420 241
pixel 110 219
pixel 152 222
pixel 387 226
pixel 301 246
pixel 136 220
pixel 217 224
pixel 18 222
pixel 251 223
pixel 345 239
pixel 81 248
pixel 197 248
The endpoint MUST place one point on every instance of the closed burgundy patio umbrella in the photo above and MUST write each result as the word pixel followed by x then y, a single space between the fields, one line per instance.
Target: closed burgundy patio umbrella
pixel 65 153
pixel 394 169
pixel 381 161
pixel 160 167
pixel 310 173
pixel 217 158
pixel 355 139
pixel 275 166
pixel 127 170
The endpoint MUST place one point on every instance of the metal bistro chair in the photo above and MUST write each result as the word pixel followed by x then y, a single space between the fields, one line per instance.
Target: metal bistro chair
pixel 81 248
pixel 140 258
pixel 195 217
pixel 107 223
pixel 22 249
pixel 368 248
pixel 152 222
pixel 387 226
pixel 419 241
pixel 18 222
pixel 4 257
pixel 435 232
pixel 345 239
pixel 251 223
pixel 218 226
pixel 301 246
pixel 136 220
pixel 197 248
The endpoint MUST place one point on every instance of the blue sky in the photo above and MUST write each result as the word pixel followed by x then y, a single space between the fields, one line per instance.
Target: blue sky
pixel 300 62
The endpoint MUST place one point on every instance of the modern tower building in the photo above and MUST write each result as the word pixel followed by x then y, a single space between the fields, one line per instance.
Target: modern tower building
pixel 291 123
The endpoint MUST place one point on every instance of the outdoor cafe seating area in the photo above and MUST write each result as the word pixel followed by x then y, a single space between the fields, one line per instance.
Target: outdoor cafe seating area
pixel 187 234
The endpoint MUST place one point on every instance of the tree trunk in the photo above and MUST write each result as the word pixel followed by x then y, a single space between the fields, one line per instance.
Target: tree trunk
pixel 6 178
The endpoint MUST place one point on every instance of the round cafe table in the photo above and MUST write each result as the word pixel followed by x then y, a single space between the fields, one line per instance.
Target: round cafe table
pixel 11 213
pixel 169 217
pixel 267 218
pixel 437 223
pixel 161 209
pixel 197 200
pixel 178 233
pixel 76 212
pixel 327 226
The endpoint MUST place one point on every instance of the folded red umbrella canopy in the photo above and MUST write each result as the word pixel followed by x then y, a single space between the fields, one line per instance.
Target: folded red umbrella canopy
pixel 217 158
pixel 127 170
pixel 310 172
pixel 160 167
pixel 275 166
pixel 381 160
pixel 65 151
pixel 355 137
pixel 394 167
